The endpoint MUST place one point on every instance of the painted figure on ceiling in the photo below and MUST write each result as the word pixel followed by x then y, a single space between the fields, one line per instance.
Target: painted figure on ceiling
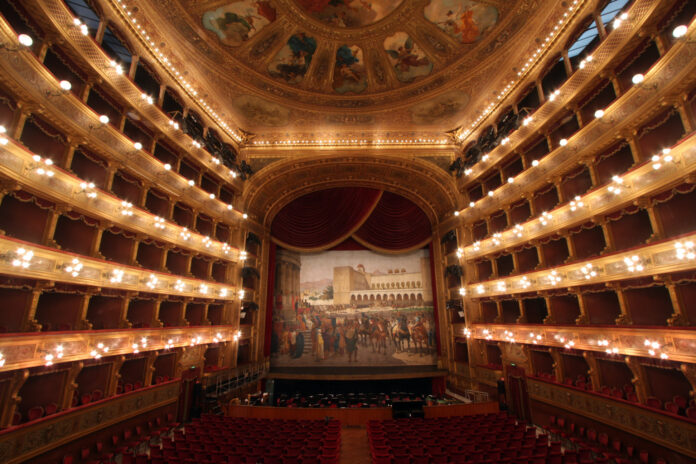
pixel 464 20
pixel 349 71
pixel 349 13
pixel 293 60
pixel 238 21
pixel 408 60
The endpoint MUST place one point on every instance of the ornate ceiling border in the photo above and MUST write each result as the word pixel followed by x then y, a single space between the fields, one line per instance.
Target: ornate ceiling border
pixel 269 190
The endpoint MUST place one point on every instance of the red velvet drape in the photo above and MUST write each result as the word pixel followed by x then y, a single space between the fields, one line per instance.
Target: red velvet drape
pixel 321 218
pixel 375 219
pixel 395 224
pixel 270 291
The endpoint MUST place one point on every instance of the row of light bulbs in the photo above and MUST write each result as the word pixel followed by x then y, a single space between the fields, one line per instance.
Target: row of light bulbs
pixel 334 142
pixel 616 187
pixel 684 251
pixel 66 86
pixel 101 349
pixel 22 258
pixel 179 77
pixel 520 74
pixel 45 167
pixel 653 347
pixel 678 33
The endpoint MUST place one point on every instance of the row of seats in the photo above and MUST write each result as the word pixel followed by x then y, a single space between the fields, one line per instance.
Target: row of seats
pixel 217 439
pixel 479 439
pixel 125 443
pixel 589 440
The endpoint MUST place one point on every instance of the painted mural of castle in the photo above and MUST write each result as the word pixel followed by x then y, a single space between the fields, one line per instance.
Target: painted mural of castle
pixel 396 287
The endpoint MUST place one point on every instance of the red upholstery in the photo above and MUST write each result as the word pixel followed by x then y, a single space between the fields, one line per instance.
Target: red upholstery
pixel 97 395
pixel 671 407
pixel 691 413
pixel 653 402
pixel 37 412
pixel 680 401
pixel 51 408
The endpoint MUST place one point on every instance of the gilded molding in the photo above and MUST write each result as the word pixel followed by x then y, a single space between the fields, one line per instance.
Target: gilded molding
pixel 675 343
pixel 662 429
pixel 22 443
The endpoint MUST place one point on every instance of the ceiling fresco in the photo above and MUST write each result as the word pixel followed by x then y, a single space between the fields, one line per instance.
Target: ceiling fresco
pixel 348 13
pixel 316 68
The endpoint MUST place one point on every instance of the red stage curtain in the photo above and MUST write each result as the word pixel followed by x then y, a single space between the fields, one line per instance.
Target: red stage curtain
pixel 395 224
pixel 321 218
pixel 375 219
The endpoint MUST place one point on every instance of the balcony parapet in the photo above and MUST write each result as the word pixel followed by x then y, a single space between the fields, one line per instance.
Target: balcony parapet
pixel 26 260
pixel 25 350
pixel 674 433
pixel 644 180
pixel 21 443
pixel 675 344
pixel 18 164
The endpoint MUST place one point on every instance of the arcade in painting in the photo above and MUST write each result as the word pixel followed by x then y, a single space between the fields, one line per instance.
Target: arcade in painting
pixel 353 308
pixel 349 13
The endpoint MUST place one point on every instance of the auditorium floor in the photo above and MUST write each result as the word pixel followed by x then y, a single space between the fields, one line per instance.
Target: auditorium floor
pixel 354 446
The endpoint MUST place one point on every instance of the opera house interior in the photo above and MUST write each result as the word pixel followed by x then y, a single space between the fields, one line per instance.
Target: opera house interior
pixel 348 231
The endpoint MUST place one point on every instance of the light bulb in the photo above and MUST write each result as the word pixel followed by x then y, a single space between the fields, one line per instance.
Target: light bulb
pixel 679 31
pixel 637 79
pixel 65 85
pixel 598 114
pixel 138 145
pixel 25 40
pixel 104 119
pixel 563 142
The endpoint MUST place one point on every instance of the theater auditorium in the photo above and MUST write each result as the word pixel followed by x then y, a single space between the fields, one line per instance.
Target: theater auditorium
pixel 347 231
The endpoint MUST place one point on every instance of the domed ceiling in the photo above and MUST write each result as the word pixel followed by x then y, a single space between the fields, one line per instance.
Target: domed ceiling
pixel 300 68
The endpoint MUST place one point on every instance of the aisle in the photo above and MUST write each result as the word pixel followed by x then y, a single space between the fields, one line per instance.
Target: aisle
pixel 354 446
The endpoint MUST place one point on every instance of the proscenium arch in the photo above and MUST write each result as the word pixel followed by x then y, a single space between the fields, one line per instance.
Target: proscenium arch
pixel 276 185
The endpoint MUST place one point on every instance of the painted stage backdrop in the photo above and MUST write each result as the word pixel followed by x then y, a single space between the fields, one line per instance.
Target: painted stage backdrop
pixel 353 308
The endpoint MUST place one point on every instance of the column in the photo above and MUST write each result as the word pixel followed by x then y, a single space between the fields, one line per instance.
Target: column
pixel 81 323
pixel 11 398
pixel 625 317
pixel 679 318
pixel 115 376
pixel 558 370
pixel 70 386
pixel 638 379
pixel 150 367
pixel 594 372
